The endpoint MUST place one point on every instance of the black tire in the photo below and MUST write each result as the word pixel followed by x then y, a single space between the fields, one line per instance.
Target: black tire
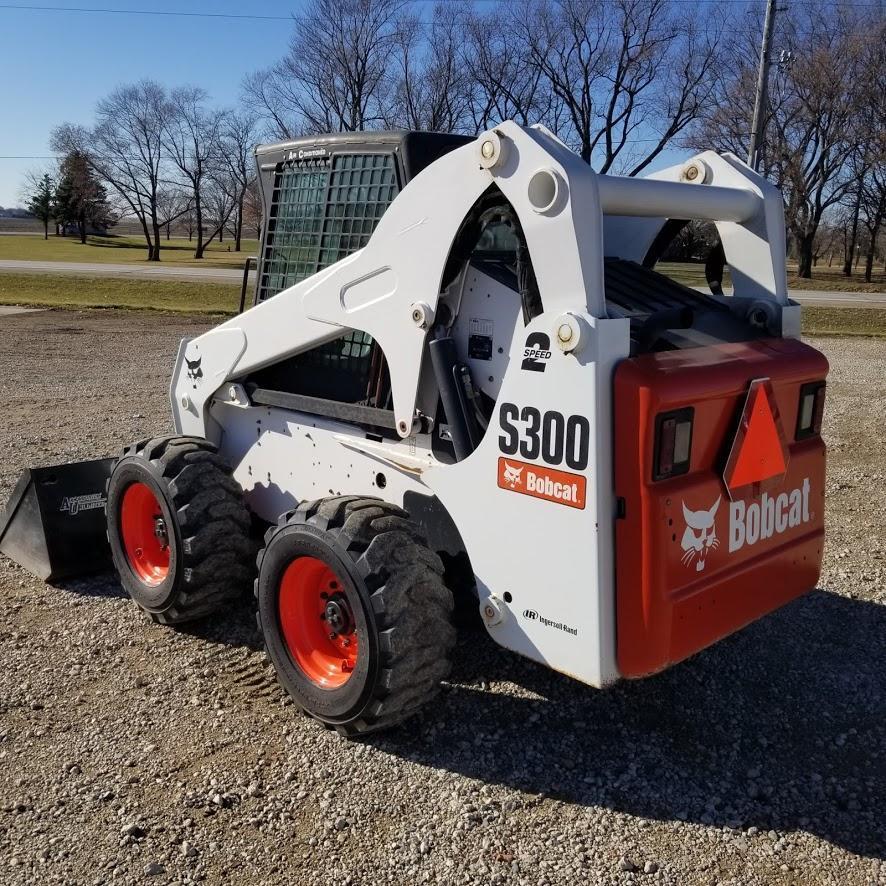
pixel 208 528
pixel 401 610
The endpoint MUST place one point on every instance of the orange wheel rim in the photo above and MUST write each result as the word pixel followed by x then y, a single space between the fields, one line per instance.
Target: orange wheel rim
pixel 145 534
pixel 317 622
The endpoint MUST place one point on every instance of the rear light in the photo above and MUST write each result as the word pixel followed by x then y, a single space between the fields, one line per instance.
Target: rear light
pixel 810 410
pixel 673 443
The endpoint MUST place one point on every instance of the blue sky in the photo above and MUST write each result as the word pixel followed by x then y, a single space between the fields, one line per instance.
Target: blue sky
pixel 54 66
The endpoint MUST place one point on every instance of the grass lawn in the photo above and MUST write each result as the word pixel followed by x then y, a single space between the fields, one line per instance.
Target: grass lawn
pixel 844 321
pixel 831 280
pixel 46 290
pixel 824 278
pixel 121 250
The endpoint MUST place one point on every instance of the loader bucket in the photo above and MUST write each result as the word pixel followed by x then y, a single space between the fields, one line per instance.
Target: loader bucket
pixel 54 523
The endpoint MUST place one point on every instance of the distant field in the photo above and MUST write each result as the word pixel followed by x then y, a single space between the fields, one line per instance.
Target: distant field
pixel 126 228
pixel 46 290
pixel 21 225
pixel 121 250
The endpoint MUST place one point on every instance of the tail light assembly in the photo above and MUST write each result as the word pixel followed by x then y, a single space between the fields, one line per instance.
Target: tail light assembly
pixel 810 410
pixel 673 443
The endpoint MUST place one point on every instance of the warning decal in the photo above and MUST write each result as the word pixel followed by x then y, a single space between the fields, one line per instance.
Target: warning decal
pixel 759 451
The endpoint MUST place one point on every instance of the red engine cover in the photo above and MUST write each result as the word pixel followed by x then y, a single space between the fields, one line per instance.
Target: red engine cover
pixel 693 565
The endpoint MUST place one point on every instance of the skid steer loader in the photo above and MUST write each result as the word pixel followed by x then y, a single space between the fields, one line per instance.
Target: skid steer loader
pixel 462 379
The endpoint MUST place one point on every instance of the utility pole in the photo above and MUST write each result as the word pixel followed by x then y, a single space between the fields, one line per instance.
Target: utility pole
pixel 762 87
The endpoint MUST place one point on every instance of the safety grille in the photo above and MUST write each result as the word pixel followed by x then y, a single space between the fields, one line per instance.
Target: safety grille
pixel 321 211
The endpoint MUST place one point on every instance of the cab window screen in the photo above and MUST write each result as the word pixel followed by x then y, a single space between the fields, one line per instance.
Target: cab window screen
pixel 295 225
pixel 321 211
pixel 361 188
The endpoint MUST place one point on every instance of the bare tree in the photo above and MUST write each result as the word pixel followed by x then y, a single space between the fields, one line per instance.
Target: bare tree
pixel 252 208
pixel 334 76
pixel 192 137
pixel 220 206
pixel 809 127
pixel 871 113
pixel 628 72
pixel 504 82
pixel 810 124
pixel 188 222
pixel 272 95
pixel 239 137
pixel 565 42
pixel 173 203
pixel 831 237
pixel 431 90
pixel 124 148
pixel 874 201
pixel 856 194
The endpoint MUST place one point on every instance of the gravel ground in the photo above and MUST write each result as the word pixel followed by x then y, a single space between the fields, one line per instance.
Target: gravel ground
pixel 132 753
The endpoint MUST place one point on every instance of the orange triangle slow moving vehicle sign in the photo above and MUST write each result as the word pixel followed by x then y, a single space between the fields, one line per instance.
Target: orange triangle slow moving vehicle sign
pixel 759 451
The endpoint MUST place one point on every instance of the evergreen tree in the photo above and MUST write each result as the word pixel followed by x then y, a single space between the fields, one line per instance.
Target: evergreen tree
pixel 40 200
pixel 80 198
pixel 63 206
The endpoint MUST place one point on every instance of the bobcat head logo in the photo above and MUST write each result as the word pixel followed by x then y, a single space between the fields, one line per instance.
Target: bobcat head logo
pixel 700 535
pixel 512 475
pixel 194 371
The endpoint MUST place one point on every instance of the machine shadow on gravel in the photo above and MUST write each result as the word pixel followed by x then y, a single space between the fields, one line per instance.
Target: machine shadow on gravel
pixel 779 727
pixel 234 627
pixel 105 584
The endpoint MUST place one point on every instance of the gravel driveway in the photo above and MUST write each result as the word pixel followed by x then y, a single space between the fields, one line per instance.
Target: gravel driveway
pixel 131 753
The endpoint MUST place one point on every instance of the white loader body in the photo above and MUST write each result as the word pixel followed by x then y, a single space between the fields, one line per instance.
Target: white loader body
pixel 535 503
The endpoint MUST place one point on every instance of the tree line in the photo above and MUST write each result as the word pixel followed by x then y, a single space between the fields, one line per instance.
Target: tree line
pixel 168 156
pixel 621 81
pixel 825 127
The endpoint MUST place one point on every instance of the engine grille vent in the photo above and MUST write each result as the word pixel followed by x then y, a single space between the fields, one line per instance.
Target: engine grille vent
pixel 638 293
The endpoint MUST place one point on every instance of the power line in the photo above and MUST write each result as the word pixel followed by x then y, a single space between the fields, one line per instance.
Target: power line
pixel 26 7
pixel 154 12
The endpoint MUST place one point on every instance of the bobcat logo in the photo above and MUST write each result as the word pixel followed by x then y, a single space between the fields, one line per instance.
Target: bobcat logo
pixel 195 373
pixel 700 535
pixel 511 476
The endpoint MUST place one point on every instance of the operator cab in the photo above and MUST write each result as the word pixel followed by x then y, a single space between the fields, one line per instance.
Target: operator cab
pixel 322 198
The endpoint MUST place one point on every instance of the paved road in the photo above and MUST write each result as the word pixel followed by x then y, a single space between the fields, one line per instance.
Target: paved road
pixel 827 299
pixel 839 299
pixel 9 310
pixel 235 276
pixel 143 271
